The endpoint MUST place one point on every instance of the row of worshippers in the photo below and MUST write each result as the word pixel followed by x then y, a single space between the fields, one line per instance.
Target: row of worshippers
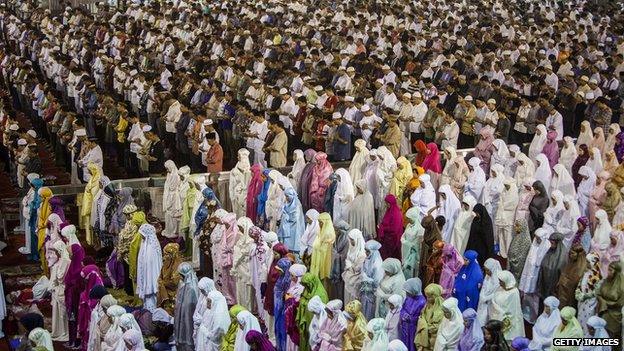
pixel 542 268
pixel 398 310
pixel 135 85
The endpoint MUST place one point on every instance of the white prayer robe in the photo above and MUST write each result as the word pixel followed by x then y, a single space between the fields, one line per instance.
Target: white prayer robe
pixel 172 203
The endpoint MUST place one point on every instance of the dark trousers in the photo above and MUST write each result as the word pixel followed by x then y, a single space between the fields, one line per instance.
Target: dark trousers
pixel 128 287
pixel 465 141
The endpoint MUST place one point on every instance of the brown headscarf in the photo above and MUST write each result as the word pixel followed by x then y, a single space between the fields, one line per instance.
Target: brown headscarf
pixel 571 275
pixel 612 200
pixel 610 297
pixel 433 268
pixel 432 234
pixel 169 276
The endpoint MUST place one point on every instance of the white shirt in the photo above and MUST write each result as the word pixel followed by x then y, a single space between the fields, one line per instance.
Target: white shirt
pixel 555 121
pixel 287 111
pixel 172 117
pixel 451 135
pixel 418 115
pixel 261 129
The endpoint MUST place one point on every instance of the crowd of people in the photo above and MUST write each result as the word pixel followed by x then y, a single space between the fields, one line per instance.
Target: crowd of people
pixel 505 247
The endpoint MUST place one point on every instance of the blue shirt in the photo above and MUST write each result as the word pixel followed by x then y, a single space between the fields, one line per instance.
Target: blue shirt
pixel 342 151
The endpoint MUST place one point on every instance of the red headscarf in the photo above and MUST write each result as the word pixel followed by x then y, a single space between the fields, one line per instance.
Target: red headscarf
pixel 390 230
pixel 421 152
pixel 253 190
pixel 432 160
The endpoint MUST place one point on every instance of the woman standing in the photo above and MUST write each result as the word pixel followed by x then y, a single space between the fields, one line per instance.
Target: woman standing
pixel 279 297
pixel 292 221
pixel 372 274
pixel 57 289
pixel 451 328
pixel 240 264
pixel 472 337
pixel 551 266
pixel 392 283
pixel 468 282
pixel 390 229
pixel 357 333
pixel 461 228
pixel 545 325
pixel 352 274
pixel 610 296
pixel 72 292
pixel 362 210
pixel 569 327
pixel 332 329
pixel 169 276
pixel 430 318
pixel 571 275
pixel 246 323
pixel 506 306
pixel 411 243
pixel 185 307
pixel 149 265
pixel 318 182
pixel 585 292
pixel 537 207
pixel 292 298
pixel 410 311
pixel 240 176
pixel 321 249
pixel 343 196
pixel 490 286
pixel 519 248
pixel 312 289
pixel 172 204
pixel 481 238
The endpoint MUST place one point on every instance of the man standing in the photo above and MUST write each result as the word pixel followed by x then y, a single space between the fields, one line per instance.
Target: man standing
pixel 255 138
pixel 156 154
pixel 341 138
pixel 214 155
pixel 93 155
pixel 279 145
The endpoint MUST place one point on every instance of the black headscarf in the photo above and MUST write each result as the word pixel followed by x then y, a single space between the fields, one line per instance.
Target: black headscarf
pixel 537 207
pixel 481 237
pixel 31 321
pixel 550 270
pixel 498 342
pixel 580 161
pixel 98 292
